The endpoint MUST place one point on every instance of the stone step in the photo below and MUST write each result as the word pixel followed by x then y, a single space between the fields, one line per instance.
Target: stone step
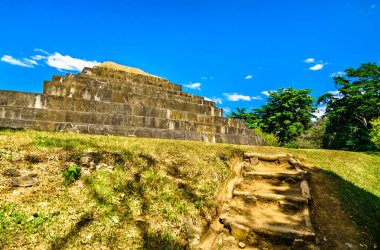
pixel 31 100
pixel 301 175
pixel 57 89
pixel 131 131
pixel 270 197
pixel 61 102
pixel 78 84
pixel 241 229
pixel 270 186
pixel 294 220
pixel 128 120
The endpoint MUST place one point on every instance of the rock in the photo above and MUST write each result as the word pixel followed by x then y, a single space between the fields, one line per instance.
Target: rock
pixel 43 204
pixel 101 165
pixel 115 219
pixel 25 181
pixel 242 244
pixel 348 245
pixel 299 244
pixel 248 167
pixel 240 232
pixel 85 171
pixel 80 184
pixel 89 236
pixel 250 199
pixel 30 218
pixel 254 161
pixel 11 172
pixel 222 156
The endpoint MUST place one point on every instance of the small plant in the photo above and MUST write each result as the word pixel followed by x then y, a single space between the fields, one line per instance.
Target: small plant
pixel 71 174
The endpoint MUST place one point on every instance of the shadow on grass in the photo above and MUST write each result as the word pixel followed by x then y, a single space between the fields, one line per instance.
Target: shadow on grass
pixel 373 153
pixel 158 240
pixel 83 221
pixel 67 144
pixel 361 205
pixel 5 129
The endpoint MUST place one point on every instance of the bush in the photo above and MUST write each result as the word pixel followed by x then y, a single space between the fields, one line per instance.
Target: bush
pixel 270 139
pixel 291 144
pixel 313 137
pixel 375 132
pixel 71 174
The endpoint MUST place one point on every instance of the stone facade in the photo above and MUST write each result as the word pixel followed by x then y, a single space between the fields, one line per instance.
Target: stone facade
pixel 102 100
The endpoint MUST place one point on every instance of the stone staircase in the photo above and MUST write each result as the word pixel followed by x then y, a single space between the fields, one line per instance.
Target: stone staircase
pixel 103 100
pixel 266 206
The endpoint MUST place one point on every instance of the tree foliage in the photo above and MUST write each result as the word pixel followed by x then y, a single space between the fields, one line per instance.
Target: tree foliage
pixel 242 114
pixel 286 114
pixel 350 111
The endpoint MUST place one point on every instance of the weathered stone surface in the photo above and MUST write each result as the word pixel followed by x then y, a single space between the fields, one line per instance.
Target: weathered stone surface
pixel 102 100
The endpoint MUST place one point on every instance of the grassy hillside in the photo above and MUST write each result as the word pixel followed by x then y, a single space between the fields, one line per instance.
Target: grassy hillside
pixel 135 192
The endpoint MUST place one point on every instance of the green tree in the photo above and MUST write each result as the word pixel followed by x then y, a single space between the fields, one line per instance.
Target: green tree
pixel 249 117
pixel 286 114
pixel 350 111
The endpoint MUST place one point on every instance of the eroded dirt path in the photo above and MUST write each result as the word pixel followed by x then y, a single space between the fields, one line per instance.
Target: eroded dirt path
pixel 264 205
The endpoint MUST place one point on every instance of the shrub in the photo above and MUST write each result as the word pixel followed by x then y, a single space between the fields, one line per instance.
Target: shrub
pixel 291 144
pixel 71 174
pixel 375 132
pixel 270 139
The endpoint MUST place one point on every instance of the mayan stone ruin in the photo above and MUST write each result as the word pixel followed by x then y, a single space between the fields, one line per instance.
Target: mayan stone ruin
pixel 118 100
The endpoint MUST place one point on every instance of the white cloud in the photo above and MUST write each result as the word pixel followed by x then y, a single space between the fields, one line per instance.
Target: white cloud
pixel 25 62
pixel 309 60
pixel 55 60
pixel 247 77
pixel 226 110
pixel 334 92
pixel 196 86
pixel 318 66
pixel 320 112
pixel 207 77
pixel 217 100
pixel 30 61
pixel 256 97
pixel 42 51
pixel 339 73
pixel 266 92
pixel 38 57
pixel 61 62
pixel 234 97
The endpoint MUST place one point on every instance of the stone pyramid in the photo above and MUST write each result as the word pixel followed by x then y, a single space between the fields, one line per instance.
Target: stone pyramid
pixel 119 100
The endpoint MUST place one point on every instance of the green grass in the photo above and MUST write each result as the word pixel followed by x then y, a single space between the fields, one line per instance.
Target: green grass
pixel 356 177
pixel 156 190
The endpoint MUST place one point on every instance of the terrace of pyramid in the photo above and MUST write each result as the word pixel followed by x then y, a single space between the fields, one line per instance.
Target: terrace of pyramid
pixel 119 100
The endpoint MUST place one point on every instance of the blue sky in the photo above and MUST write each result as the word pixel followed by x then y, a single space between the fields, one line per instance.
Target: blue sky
pixel 229 51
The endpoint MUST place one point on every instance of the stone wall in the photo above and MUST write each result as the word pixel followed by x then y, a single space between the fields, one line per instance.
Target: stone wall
pixel 105 101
